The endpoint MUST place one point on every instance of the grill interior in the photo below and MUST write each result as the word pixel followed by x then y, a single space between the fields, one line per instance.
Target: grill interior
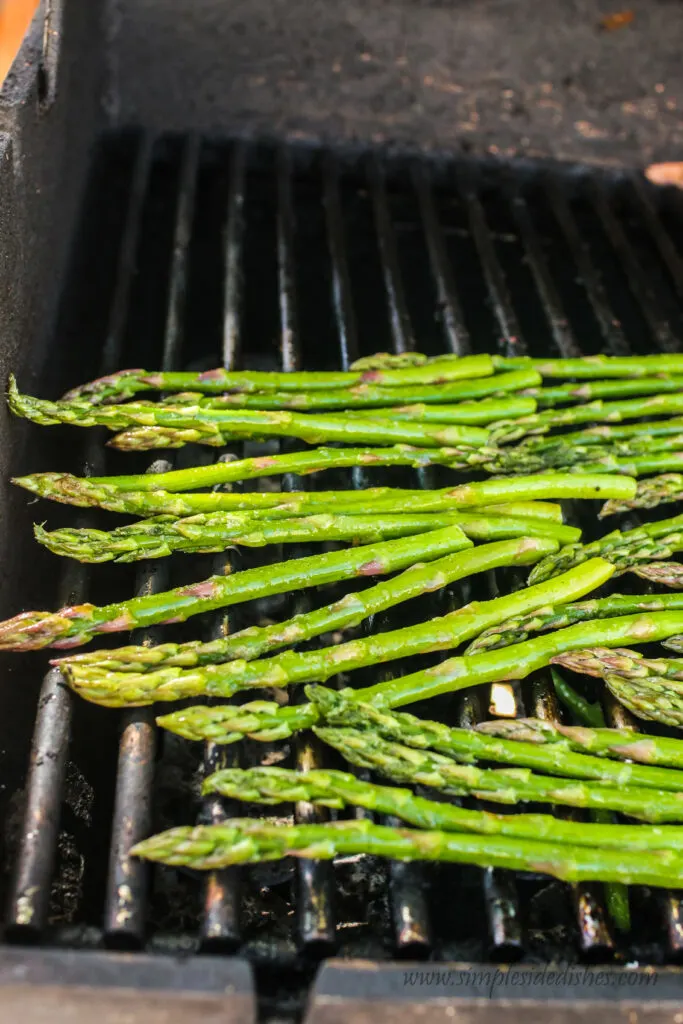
pixel 193 253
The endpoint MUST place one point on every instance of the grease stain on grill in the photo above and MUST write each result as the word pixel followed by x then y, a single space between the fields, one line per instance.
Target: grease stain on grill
pixel 379 254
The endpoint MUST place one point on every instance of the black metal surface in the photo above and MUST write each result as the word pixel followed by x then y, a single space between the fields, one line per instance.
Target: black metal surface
pixel 254 256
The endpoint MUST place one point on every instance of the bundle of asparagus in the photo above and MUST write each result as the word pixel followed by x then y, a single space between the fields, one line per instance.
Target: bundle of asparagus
pixel 461 413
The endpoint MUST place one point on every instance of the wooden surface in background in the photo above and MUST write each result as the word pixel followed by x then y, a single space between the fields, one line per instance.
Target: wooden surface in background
pixel 15 16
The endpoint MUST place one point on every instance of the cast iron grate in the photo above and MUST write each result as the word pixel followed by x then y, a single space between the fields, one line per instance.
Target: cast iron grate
pixel 194 253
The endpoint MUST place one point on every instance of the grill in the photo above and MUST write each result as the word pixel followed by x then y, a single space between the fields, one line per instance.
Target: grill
pixel 257 256
pixel 274 249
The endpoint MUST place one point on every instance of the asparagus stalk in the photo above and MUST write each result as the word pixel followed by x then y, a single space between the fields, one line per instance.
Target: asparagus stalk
pixel 559 616
pixel 265 720
pixel 626 550
pixel 659 490
pixel 226 724
pixel 614 388
pixel 183 423
pixel 76 491
pixel 604 433
pixel 373 396
pixel 408 765
pixel 351 610
pixel 125 383
pixel 651 688
pixel 200 534
pixel 336 789
pixel 245 841
pixel 471 746
pixel 588 367
pixel 581 368
pixel 623 744
pixel 75 625
pixel 472 413
pixel 593 412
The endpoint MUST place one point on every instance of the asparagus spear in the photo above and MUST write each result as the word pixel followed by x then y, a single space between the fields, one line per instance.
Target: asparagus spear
pixel 156 538
pixel 659 490
pixel 614 388
pixel 226 724
pixel 336 789
pixel 623 744
pixel 593 412
pixel 245 841
pixel 407 765
pixel 626 550
pixel 380 500
pixel 558 616
pixel 184 423
pixel 650 688
pixel 351 610
pixel 75 625
pixel 471 746
pixel 125 383
pixel 472 413
pixel 587 367
pixel 265 720
pixel 372 396
pixel 581 368
pixel 604 433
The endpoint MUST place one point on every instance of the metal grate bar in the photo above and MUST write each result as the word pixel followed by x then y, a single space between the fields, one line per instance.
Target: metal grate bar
pixel 595 940
pixel 589 276
pixel 125 904
pixel 509 342
pixel 410 915
pixel 506 941
pixel 30 891
pixel 448 304
pixel 635 274
pixel 399 320
pixel 662 238
pixel 552 304
pixel 220 921
pixel 315 879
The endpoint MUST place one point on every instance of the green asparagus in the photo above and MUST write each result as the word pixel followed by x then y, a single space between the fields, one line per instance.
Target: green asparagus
pixel 408 765
pixel 658 490
pixel 350 611
pixel 376 396
pixel 625 551
pixel 652 688
pixel 592 412
pixel 338 790
pixel 470 746
pixel 74 490
pixel 75 625
pixel 666 574
pixel 121 385
pixel 623 744
pixel 245 841
pixel 264 720
pixel 184 423
pixel 558 616
pixel 156 538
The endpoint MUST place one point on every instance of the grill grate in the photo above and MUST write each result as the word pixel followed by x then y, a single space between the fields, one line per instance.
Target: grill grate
pixel 261 257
